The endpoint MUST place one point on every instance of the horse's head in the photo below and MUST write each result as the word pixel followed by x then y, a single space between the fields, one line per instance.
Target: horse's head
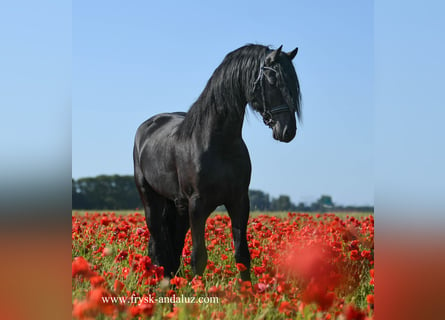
pixel 276 94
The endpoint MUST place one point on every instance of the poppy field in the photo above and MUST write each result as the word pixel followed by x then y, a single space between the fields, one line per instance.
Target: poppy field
pixel 304 266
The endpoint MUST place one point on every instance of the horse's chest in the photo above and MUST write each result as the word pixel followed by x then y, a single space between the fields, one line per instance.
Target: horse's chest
pixel 216 173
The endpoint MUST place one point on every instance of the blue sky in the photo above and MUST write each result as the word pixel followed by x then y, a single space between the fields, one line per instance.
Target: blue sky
pixel 135 60
pixel 409 111
pixel 91 72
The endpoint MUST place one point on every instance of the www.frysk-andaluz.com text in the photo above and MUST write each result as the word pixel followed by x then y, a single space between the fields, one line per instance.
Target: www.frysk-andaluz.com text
pixel 152 299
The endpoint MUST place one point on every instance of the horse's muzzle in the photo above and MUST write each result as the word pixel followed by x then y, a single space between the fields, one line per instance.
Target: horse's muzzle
pixel 285 135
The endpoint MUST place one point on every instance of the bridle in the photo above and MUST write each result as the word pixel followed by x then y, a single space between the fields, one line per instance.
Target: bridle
pixel 267 114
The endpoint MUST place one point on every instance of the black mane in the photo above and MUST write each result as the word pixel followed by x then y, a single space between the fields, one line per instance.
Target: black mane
pixel 230 87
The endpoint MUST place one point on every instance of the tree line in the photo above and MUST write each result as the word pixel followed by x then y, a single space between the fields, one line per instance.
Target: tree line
pixel 118 192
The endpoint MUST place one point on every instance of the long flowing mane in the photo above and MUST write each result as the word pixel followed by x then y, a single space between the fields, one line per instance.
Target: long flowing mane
pixel 230 87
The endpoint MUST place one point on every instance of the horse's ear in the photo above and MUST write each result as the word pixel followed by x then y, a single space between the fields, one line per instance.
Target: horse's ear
pixel 275 54
pixel 293 53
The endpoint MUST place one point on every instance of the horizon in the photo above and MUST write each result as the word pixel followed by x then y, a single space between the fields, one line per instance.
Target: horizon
pixel 297 203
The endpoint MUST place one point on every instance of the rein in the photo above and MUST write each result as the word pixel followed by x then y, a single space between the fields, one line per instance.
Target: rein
pixel 267 114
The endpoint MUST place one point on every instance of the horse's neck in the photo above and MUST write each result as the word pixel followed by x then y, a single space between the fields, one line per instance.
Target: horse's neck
pixel 218 113
pixel 222 128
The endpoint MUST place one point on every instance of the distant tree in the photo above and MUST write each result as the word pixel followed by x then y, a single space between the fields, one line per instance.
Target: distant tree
pixel 105 192
pixel 282 203
pixel 324 203
pixel 259 200
pixel 79 199
pixel 302 207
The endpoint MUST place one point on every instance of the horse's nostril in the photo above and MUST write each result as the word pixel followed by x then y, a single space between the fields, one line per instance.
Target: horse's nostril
pixel 285 133
pixel 288 134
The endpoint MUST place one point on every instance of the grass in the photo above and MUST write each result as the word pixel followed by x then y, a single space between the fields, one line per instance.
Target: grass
pixel 253 214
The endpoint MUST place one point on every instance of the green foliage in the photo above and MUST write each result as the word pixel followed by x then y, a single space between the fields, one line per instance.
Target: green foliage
pixel 116 192
pixel 259 200
pixel 282 203
pixel 323 204
pixel 105 192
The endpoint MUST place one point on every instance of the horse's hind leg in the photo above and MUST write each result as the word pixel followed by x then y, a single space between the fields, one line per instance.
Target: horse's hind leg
pixel 158 214
pixel 172 238
pixel 179 228
pixel 176 226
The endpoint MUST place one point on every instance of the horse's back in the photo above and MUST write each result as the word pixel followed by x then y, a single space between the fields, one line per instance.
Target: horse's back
pixel 158 121
pixel 154 144
pixel 163 124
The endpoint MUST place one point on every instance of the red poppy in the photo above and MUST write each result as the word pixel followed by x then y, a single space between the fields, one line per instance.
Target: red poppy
pixel 287 308
pixel 197 284
pixel 118 286
pixel 121 256
pixel 371 273
pixel 241 267
pixel 218 315
pixel 179 282
pixel 354 255
pixel 352 313
pixel 83 309
pixel 125 272
pixel 98 298
pixel 97 281
pixel 80 266
pixel 146 308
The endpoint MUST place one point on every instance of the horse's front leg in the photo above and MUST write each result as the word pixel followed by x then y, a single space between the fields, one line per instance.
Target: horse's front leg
pixel 239 214
pixel 198 216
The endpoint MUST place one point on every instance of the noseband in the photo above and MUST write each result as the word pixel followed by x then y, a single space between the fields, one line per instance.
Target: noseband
pixel 267 114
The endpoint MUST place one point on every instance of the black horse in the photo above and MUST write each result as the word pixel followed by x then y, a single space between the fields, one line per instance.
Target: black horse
pixel 187 164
